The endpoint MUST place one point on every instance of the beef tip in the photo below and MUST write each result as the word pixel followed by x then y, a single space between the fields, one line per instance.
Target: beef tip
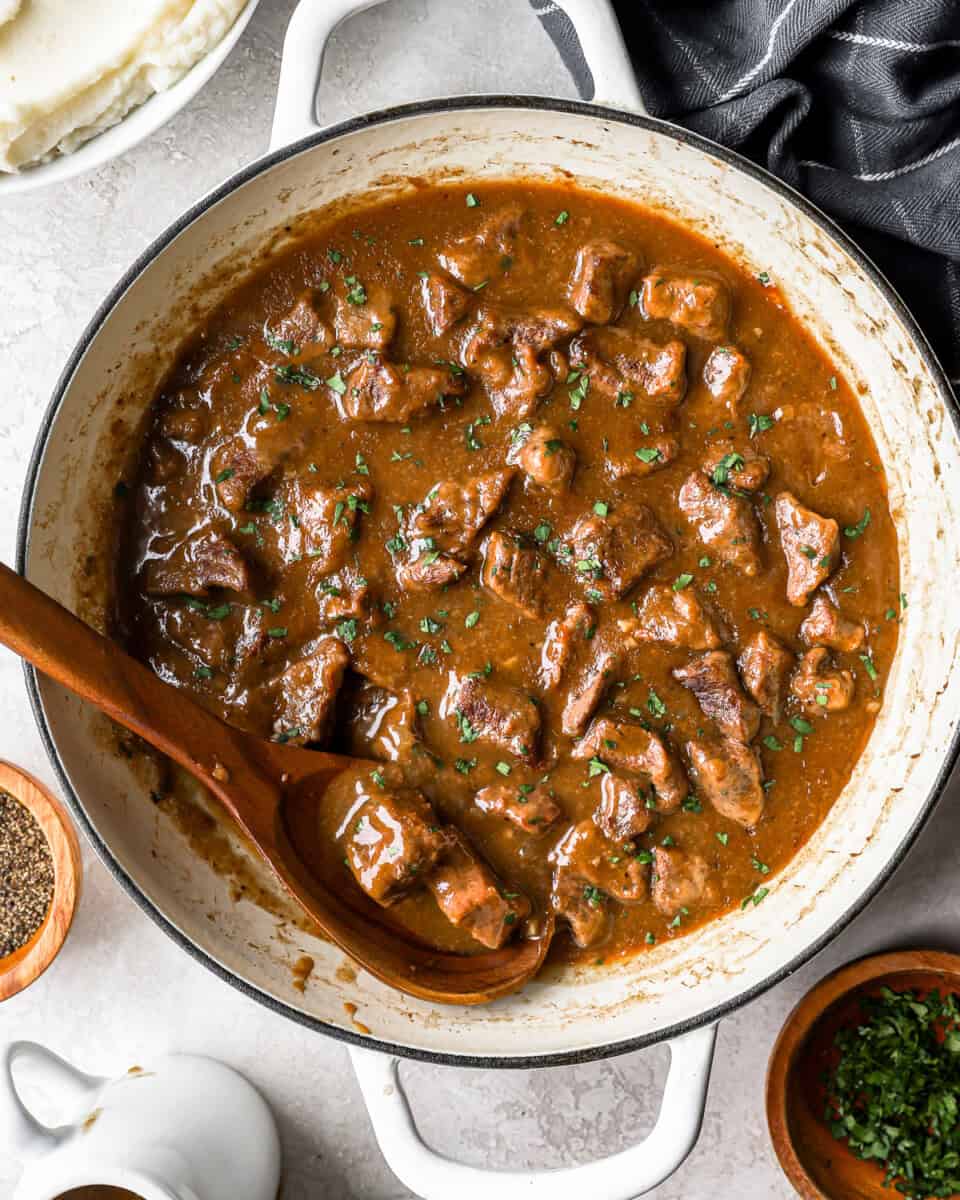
pixel 196 566
pixel 237 468
pixel 585 854
pixel 430 572
pixel 303 326
pixel 514 380
pixel 308 693
pixel 632 750
pixel 765 668
pixel 366 318
pixel 736 467
pixel 538 329
pixel 470 896
pixel 585 909
pixel 478 255
pixel 724 521
pixel 727 773
pixel 623 812
pixel 619 362
pixel 678 880
pixel 326 517
pixel 384 392
pixel 585 695
pixel 612 553
pixel 494 713
pixel 444 302
pixel 726 374
pixel 699 303
pixel 819 686
pixel 560 641
pixel 673 618
pixel 383 724
pixel 515 572
pixel 826 626
pixel 341 597
pixel 391 839
pixel 453 512
pixel 713 679
pixel 531 807
pixel 656 453
pixel 601 277
pixel 810 546
pixel 184 424
pixel 547 460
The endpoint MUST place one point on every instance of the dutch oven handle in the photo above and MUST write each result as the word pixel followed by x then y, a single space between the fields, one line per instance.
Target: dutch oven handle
pixel 588 31
pixel 622 1176
pixel 593 48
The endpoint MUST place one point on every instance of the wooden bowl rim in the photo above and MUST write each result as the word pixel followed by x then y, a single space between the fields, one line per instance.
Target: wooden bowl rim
pixel 801 1021
pixel 19 969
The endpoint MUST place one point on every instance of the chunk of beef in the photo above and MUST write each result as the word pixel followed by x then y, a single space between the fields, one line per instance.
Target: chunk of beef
pixel 428 573
pixel 391 840
pixel 341 597
pixel 724 521
pixel 673 618
pixel 366 318
pixel 494 713
pixel 476 256
pixel 623 812
pixel 236 469
pixel 308 693
pixel 601 278
pixel 454 511
pixel 656 453
pixel 547 460
pixel 470 896
pixel 810 546
pixel 620 362
pixel 819 686
pixel 585 854
pixel 387 393
pixel 678 881
pixel 560 641
pixel 538 329
pixel 587 692
pixel 632 750
pixel 583 907
pixel 302 326
pixel 515 572
pixel 739 467
pixel 184 424
pixel 826 626
pixel 514 380
pixel 444 302
pixel 326 517
pixel 713 679
pixel 531 807
pixel 765 668
pixel 612 553
pixel 196 566
pixel 383 725
pixel 726 374
pixel 699 302
pixel 727 773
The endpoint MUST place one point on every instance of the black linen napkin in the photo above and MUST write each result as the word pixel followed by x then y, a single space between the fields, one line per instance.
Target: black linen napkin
pixel 856 103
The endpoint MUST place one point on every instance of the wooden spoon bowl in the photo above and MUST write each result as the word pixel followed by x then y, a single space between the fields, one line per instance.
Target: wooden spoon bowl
pixel 254 779
pixel 19 969
pixel 819 1166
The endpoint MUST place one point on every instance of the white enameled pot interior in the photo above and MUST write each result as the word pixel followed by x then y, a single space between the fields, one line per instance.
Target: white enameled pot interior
pixel 580 1011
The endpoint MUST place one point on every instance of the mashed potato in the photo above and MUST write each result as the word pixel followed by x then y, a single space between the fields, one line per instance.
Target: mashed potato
pixel 71 68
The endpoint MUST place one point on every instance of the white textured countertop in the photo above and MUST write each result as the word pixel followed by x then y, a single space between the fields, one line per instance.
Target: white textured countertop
pixel 121 991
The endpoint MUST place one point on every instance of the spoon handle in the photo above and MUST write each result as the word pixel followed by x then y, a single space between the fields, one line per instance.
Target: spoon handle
pixel 61 646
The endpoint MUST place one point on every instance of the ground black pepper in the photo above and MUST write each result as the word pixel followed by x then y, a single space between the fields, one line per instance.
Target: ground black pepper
pixel 26 875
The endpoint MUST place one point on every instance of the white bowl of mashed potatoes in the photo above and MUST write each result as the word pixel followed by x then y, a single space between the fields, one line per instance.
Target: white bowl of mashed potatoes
pixel 82 81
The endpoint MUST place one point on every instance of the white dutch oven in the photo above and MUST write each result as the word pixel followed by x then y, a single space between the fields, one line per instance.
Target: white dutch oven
pixel 676 992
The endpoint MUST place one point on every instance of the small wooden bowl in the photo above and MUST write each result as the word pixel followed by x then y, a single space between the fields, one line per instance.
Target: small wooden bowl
pixel 19 969
pixel 818 1165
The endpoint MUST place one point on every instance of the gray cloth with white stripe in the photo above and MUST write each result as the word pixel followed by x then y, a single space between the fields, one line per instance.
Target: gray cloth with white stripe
pixel 854 102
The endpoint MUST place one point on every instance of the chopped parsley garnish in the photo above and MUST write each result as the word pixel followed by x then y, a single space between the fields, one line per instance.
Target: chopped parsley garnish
pixel 855 531
pixel 648 454
pixel 655 705
pixel 471 619
pixel 338 384
pixel 867 661
pixel 562 218
pixel 275 342
pixel 682 581
pixel 729 462
pixel 302 376
pixel 579 393
pixel 504 768
pixel 472 201
pixel 347 629
pixel 601 508
pixel 755 897
pixel 759 423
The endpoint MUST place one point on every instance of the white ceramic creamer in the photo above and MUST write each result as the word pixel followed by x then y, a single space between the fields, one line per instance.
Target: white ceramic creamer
pixel 181 1127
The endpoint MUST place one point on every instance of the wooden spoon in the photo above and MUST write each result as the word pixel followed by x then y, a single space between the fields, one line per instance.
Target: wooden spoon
pixel 251 778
